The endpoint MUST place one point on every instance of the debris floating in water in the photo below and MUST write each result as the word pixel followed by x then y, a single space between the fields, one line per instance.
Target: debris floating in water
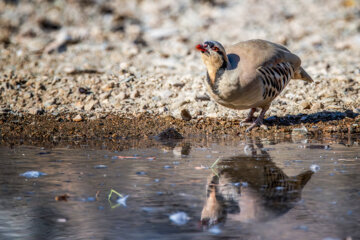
pixel 179 218
pixel 61 220
pixel 201 167
pixel 315 168
pixel 126 157
pixel 100 166
pixel 302 227
pixel 63 197
pixel 121 199
pixel 32 174
pixel 215 230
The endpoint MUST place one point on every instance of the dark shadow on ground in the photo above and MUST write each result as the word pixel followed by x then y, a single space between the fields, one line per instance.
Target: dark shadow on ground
pixel 324 116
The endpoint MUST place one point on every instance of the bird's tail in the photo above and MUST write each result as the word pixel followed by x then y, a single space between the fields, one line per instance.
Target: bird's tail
pixel 302 75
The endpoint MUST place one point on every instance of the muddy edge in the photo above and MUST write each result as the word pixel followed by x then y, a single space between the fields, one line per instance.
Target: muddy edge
pixel 40 129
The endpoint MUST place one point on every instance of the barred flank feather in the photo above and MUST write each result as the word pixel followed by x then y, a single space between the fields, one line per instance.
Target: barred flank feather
pixel 275 79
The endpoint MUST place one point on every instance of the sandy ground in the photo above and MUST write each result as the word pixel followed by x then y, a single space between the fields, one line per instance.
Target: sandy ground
pixel 117 58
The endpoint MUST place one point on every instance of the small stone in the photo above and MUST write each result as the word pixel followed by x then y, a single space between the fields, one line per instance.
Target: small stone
pixel 84 90
pixel 122 96
pixel 78 118
pixel 89 106
pixel 135 94
pixel 33 110
pixel 317 106
pixel 36 111
pixel 306 105
pixel 178 84
pixel 202 97
pixel 185 115
pixel 109 86
pixel 79 105
pixel 302 130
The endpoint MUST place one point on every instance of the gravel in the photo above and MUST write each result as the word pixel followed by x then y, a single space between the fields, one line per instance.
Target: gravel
pixel 124 57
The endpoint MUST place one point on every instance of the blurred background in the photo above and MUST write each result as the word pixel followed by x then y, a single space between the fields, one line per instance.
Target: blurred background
pixel 95 56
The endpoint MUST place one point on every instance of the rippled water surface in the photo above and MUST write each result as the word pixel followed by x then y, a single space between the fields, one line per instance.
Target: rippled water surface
pixel 193 189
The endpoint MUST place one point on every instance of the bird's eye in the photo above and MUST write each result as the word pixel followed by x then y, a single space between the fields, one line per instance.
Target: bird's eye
pixel 215 49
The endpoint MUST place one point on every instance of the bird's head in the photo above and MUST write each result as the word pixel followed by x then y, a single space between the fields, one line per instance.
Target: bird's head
pixel 213 55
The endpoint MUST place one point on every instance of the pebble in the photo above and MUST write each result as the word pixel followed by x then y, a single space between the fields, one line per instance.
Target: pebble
pixel 306 105
pixel 185 115
pixel 135 94
pixel 89 106
pixel 162 65
pixel 77 118
pixel 300 131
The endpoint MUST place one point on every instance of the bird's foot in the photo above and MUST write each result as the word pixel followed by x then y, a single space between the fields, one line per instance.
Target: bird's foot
pixel 258 122
pixel 247 121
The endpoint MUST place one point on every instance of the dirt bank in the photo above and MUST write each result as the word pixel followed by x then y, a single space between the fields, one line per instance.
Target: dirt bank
pixel 70 127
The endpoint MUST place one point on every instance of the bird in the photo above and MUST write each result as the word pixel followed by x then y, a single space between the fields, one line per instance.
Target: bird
pixel 250 187
pixel 249 74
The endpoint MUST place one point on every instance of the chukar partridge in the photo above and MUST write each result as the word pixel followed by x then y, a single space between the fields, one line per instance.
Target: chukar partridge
pixel 249 74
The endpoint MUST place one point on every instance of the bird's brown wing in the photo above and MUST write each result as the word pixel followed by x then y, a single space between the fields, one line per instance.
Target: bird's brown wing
pixel 260 53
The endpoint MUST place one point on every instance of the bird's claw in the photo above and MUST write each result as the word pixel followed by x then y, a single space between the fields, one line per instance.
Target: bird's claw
pixel 257 123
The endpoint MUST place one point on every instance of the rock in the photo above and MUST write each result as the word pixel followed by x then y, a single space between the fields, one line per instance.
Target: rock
pixel 135 94
pixel 178 104
pixel 185 115
pixel 109 86
pixel 122 96
pixel 178 84
pixel 36 111
pixel 305 105
pixel 79 105
pixel 90 105
pixel 84 90
pixel 33 110
pixel 299 131
pixel 170 133
pixel 317 106
pixel 78 118
pixel 202 97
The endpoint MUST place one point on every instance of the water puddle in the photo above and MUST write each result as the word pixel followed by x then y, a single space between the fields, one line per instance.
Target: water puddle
pixel 193 189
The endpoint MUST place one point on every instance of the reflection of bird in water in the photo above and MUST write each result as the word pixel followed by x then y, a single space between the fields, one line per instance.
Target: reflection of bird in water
pixel 250 188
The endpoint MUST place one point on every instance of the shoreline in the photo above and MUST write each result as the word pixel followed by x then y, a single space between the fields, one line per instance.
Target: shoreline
pixel 68 126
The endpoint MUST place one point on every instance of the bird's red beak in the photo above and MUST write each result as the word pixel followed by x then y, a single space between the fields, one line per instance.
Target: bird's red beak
pixel 200 48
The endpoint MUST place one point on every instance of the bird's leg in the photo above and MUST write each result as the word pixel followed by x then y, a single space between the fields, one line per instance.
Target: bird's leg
pixel 259 120
pixel 249 118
